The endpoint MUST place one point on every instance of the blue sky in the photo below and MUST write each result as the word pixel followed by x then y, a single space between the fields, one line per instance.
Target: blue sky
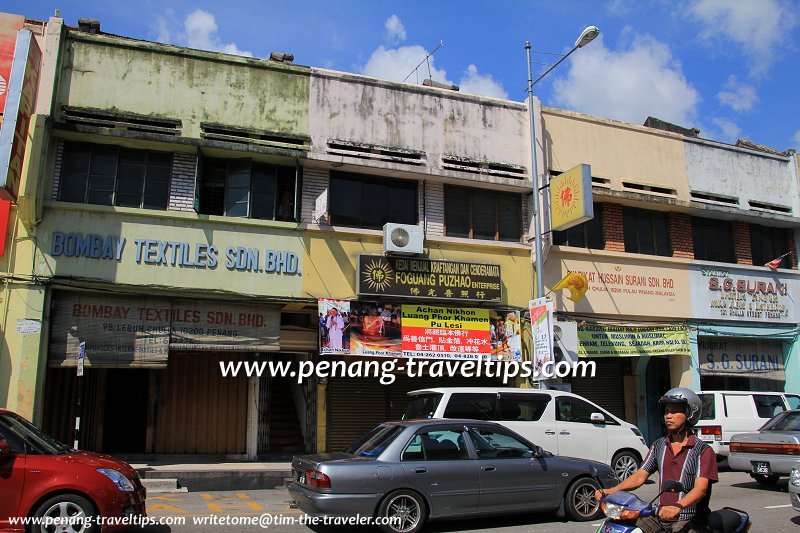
pixel 727 67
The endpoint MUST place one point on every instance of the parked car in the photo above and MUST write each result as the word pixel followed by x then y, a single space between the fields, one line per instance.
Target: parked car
pixel 411 471
pixel 726 413
pixel 771 451
pixel 794 486
pixel 560 422
pixel 43 478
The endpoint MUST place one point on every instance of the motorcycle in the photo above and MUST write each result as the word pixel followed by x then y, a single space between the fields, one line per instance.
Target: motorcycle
pixel 622 509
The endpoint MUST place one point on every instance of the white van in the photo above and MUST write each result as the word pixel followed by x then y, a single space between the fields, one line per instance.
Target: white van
pixel 560 422
pixel 726 413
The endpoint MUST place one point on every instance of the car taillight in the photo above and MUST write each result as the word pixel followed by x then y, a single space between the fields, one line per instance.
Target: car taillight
pixel 716 431
pixel 777 449
pixel 317 480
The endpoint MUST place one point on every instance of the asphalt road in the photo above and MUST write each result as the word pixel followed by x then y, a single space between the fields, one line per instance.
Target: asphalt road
pixel 769 509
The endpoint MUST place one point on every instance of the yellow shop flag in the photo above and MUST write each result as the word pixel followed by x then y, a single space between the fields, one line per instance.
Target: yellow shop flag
pixel 576 283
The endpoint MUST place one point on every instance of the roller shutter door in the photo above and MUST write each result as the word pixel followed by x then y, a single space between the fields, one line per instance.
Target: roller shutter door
pixel 605 388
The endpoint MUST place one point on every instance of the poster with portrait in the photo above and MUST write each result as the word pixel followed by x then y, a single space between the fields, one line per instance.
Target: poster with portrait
pixel 375 329
pixel 334 326
pixel 505 335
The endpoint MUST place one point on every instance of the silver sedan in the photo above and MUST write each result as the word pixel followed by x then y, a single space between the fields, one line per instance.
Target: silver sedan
pixel 404 473
pixel 771 451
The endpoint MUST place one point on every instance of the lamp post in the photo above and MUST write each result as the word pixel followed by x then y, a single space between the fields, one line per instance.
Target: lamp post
pixel 585 38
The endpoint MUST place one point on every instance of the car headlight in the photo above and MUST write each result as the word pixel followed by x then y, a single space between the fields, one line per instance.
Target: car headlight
pixel 794 477
pixel 123 483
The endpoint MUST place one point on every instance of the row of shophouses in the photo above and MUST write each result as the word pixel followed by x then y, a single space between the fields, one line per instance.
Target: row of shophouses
pixel 174 208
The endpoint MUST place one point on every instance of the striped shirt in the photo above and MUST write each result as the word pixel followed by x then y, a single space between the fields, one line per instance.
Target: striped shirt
pixel 695 459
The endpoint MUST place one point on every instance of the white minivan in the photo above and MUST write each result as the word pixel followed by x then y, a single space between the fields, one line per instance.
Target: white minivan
pixel 726 413
pixel 560 422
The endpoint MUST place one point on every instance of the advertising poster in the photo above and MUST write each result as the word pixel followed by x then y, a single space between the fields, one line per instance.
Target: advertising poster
pixel 542 327
pixel 375 329
pixel 504 335
pixel 597 340
pixel 445 332
pixel 334 326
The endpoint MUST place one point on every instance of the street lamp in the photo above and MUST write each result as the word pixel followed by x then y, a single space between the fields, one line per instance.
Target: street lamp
pixel 585 38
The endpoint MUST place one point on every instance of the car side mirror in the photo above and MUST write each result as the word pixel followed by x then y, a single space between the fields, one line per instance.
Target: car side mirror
pixel 673 486
pixel 598 418
pixel 538 452
pixel 5 450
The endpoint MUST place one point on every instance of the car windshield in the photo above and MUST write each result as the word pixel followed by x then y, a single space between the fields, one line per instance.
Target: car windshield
pixel 24 434
pixel 373 443
pixel 788 421
pixel 422 406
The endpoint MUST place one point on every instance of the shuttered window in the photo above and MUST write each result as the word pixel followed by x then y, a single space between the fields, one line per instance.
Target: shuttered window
pixel 482 214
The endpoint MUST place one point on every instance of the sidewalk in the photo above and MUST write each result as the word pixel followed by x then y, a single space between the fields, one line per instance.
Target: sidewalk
pixel 218 476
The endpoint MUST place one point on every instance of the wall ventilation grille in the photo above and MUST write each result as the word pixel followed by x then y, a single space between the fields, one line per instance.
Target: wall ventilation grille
pixel 376 152
pixel 225 133
pixel 121 121
pixel 761 206
pixel 716 198
pixel 477 166
pixel 641 187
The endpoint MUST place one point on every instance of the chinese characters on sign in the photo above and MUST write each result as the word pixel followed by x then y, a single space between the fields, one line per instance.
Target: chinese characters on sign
pixel 421 278
pixel 394 330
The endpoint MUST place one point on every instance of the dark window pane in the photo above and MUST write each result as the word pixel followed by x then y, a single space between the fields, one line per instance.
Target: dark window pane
pixel 484 216
pixel 237 188
pixel 375 205
pixel 264 183
pixel 509 217
pixel 212 193
pixel 345 202
pixel 403 204
pixel 630 229
pixel 102 171
pixel 456 212
pixel 594 229
pixel 644 230
pixel 661 233
pixel 130 178
pixel 287 177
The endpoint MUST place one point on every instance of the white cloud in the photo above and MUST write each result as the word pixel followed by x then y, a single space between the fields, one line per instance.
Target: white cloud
pixel 397 63
pixel 200 31
pixel 758 26
pixel 738 96
pixel 638 81
pixel 395 31
pixel 729 131
pixel 797 139
pixel 484 84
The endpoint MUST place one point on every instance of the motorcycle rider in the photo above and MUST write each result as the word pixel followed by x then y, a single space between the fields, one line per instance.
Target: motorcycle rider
pixel 681 456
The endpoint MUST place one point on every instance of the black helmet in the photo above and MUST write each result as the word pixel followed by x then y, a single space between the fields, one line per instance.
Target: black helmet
pixel 687 397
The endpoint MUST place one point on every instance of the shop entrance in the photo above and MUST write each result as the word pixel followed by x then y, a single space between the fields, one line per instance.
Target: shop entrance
pixel 125 417
pixel 657 380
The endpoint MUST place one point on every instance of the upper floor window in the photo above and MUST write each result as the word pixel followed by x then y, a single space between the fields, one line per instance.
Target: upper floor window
pixel 369 202
pixel 713 240
pixel 482 214
pixel 586 235
pixel 769 243
pixel 243 188
pixel 646 232
pixel 111 175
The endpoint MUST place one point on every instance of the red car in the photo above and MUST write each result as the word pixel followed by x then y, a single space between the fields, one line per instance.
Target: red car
pixel 44 479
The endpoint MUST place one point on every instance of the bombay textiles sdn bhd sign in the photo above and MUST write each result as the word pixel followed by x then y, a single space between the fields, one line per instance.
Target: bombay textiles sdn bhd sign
pixel 421 278
pixel 140 331
pixel 182 254
pixel 748 295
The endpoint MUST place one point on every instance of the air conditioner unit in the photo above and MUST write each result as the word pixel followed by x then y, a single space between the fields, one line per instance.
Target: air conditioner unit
pixel 565 341
pixel 403 239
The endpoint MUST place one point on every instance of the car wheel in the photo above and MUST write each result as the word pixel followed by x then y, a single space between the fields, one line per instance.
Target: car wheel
pixel 70 513
pixel 766 480
pixel 579 502
pixel 404 512
pixel 625 464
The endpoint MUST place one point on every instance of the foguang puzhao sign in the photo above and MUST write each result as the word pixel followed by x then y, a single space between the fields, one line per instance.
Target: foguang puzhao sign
pixel 418 278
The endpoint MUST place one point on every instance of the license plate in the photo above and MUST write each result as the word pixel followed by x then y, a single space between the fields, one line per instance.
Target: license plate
pixel 301 478
pixel 708 438
pixel 761 468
